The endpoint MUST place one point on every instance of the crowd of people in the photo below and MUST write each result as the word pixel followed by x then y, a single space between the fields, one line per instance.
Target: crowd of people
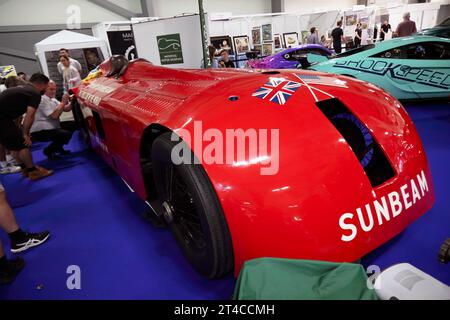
pixel 404 29
pixel 221 58
pixel 29 112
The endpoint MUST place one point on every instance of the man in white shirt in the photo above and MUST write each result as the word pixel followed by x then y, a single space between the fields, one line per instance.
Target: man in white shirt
pixel 46 126
pixel 73 62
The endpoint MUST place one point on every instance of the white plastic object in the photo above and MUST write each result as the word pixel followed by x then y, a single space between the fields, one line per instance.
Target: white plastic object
pixel 405 282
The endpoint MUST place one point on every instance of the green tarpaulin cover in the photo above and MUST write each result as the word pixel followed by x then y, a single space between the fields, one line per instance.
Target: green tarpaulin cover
pixel 286 279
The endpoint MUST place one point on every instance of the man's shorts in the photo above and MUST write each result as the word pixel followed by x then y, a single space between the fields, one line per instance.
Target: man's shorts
pixel 1 187
pixel 11 136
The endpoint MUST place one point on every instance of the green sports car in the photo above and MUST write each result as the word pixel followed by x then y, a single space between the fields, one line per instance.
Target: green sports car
pixel 409 68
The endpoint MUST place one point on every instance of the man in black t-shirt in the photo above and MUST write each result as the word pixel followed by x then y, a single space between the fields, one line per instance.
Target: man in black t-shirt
pixel 225 62
pixel 15 102
pixel 385 28
pixel 338 36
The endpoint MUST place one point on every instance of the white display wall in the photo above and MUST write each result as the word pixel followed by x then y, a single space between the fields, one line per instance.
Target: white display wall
pixel 281 23
pixel 188 27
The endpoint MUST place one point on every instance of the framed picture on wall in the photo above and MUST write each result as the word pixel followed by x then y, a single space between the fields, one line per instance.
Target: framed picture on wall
pixel 266 32
pixel 350 19
pixel 256 36
pixel 267 49
pixel 221 43
pixel 241 44
pixel 290 39
pixel 277 42
pixel 304 36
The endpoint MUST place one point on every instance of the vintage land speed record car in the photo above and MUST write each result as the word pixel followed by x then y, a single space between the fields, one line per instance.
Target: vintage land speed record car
pixel 340 168
pixel 409 68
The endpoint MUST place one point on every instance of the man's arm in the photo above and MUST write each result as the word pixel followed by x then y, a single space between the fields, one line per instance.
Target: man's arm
pixel 63 105
pixel 27 123
pixel 59 66
pixel 58 111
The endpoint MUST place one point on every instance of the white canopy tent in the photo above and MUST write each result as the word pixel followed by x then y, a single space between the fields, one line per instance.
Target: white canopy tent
pixel 69 40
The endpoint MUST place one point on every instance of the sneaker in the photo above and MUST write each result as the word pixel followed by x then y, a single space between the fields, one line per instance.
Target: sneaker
pixel 39 173
pixel 10 169
pixel 12 162
pixel 14 268
pixel 33 240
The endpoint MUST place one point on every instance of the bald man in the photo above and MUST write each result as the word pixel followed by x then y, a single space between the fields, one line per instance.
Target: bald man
pixel 47 127
pixel 406 27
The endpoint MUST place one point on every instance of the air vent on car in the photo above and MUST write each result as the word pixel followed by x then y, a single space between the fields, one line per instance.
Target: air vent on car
pixel 358 136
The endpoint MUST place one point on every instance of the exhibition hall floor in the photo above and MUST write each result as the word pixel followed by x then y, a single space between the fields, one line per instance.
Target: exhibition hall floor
pixel 96 223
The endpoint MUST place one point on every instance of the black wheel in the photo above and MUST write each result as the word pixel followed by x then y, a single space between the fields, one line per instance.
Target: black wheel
pixel 192 211
pixel 81 122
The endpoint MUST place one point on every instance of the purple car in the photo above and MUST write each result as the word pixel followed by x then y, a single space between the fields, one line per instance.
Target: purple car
pixel 292 58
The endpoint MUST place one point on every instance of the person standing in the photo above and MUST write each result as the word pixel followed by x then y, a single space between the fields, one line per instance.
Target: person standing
pixel 407 27
pixel 338 37
pixel 358 35
pixel 73 62
pixel 14 102
pixel 385 28
pixel 225 62
pixel 313 38
pixel 20 240
pixel 71 76
pixel 23 76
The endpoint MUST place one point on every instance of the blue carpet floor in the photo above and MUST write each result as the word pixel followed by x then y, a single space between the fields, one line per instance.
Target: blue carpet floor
pixel 97 224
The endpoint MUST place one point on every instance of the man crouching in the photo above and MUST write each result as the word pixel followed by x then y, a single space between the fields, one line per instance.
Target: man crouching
pixel 47 127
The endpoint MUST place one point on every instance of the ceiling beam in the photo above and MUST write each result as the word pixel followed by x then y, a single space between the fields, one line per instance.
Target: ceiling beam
pixel 17 53
pixel 105 4
pixel 41 27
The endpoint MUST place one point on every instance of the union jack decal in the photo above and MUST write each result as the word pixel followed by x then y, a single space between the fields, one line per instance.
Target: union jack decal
pixel 277 90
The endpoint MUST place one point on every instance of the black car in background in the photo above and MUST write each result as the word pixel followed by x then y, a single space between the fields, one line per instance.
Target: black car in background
pixel 441 30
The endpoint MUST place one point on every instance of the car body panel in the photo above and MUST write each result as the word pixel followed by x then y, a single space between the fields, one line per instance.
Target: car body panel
pixel 403 78
pixel 286 60
pixel 298 212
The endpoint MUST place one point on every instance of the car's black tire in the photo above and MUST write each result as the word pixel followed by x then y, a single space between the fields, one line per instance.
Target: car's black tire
pixel 192 210
pixel 81 122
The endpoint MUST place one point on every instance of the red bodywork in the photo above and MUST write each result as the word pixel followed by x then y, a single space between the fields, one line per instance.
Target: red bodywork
pixel 295 213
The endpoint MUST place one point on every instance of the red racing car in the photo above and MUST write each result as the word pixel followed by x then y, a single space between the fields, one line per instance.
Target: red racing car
pixel 248 164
